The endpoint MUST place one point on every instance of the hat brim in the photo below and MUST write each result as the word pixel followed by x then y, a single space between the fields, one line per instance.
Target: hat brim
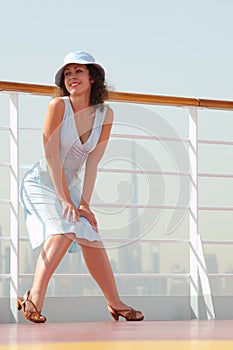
pixel 59 74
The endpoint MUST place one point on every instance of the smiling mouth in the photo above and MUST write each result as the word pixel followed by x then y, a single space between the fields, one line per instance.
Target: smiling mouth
pixel 74 84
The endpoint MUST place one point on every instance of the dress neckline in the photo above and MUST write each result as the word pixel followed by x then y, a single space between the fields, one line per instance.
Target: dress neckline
pixel 76 129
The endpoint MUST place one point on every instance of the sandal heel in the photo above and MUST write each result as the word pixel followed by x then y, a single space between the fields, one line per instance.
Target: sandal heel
pixel 115 316
pixel 19 306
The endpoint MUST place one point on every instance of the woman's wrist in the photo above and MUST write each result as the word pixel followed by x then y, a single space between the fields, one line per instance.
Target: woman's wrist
pixel 83 204
pixel 62 199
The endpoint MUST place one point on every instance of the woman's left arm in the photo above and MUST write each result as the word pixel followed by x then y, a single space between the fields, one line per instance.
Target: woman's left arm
pixel 91 169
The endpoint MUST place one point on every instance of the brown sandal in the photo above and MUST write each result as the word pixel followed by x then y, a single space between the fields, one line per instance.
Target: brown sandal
pixel 33 316
pixel 129 314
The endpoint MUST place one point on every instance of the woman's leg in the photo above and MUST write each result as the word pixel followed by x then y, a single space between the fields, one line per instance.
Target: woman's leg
pixel 51 254
pixel 99 267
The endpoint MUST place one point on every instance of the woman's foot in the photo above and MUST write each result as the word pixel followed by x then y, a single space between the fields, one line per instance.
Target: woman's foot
pixel 30 310
pixel 125 311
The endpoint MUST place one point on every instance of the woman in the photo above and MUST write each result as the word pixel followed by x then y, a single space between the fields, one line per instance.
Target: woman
pixel 76 130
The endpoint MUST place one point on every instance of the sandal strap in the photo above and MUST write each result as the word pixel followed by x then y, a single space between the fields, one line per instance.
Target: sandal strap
pixel 130 313
pixel 29 301
pixel 30 313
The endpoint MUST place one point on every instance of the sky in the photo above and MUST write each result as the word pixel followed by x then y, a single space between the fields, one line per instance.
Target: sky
pixel 163 47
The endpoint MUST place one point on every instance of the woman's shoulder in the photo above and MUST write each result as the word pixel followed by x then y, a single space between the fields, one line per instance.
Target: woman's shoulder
pixel 109 114
pixel 57 102
pixel 105 109
pixel 56 110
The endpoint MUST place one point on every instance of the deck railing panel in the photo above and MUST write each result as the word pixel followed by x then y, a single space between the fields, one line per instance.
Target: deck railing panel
pixel 194 241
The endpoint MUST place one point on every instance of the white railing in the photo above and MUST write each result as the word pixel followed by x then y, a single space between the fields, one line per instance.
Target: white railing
pixel 197 259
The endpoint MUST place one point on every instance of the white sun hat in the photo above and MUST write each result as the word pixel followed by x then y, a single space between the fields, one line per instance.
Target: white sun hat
pixel 79 57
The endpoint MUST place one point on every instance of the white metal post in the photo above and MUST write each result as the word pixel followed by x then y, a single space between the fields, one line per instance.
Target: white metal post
pixel 197 259
pixel 14 207
pixel 193 210
pixel 205 284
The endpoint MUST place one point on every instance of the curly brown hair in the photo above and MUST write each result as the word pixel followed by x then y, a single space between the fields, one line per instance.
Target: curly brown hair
pixel 99 90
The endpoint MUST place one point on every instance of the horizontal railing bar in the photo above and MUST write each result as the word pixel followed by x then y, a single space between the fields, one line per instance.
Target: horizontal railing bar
pixel 5 238
pixel 128 240
pixel 134 275
pixel 129 171
pixel 5 165
pixel 5 128
pixel 147 172
pixel 217 275
pixel 128 136
pixel 152 240
pixel 208 241
pixel 128 275
pixel 217 142
pixel 138 206
pixel 227 176
pixel 137 171
pixel 48 90
pixel 216 208
pixel 149 137
pixel 5 201
pixel 142 206
pixel 30 129
pixel 141 240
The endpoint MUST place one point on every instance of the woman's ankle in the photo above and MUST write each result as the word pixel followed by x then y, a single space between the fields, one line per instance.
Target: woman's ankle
pixel 36 298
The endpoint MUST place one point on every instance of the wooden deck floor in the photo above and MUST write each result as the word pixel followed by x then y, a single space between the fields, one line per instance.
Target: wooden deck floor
pixel 145 335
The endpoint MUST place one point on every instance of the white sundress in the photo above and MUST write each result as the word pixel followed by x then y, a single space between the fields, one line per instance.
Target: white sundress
pixel 38 196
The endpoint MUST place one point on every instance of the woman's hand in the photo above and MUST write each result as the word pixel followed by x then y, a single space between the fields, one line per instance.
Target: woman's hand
pixel 87 213
pixel 69 211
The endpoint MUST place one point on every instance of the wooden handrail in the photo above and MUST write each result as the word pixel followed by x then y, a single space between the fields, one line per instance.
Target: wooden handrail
pixel 35 89
pixel 49 90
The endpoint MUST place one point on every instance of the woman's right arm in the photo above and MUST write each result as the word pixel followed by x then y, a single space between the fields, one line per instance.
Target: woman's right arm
pixel 51 139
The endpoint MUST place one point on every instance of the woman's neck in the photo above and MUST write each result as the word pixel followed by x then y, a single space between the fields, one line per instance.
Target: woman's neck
pixel 79 103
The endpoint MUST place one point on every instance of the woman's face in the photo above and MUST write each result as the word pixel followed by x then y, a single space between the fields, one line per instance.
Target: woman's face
pixel 77 79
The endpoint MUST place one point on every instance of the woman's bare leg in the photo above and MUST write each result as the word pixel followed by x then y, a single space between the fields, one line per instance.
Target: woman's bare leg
pixel 99 267
pixel 51 254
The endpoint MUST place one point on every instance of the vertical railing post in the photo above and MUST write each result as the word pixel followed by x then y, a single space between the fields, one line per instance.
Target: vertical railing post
pixel 193 210
pixel 204 280
pixel 14 207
